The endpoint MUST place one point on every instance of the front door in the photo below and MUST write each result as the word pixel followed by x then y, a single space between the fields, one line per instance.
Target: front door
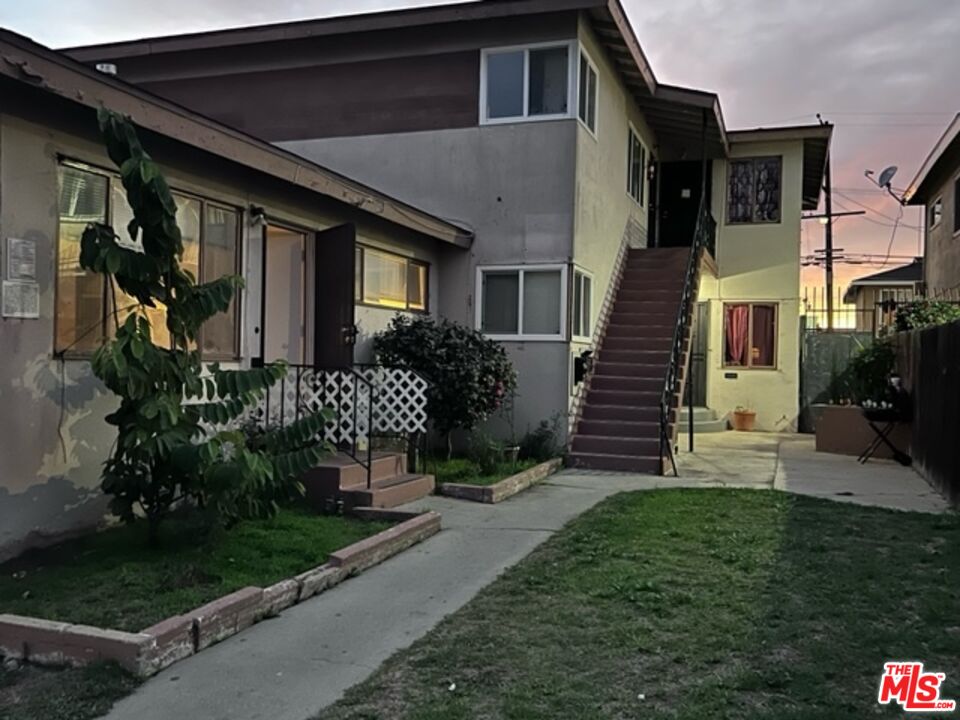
pixel 335 332
pixel 284 295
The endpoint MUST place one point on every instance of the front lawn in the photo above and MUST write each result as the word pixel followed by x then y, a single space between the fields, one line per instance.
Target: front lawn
pixel 32 693
pixel 692 605
pixel 467 472
pixel 113 579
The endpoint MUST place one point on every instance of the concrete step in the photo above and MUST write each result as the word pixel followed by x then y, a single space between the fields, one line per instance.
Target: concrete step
pixel 639 357
pixel 650 294
pixel 651 308
pixel 619 428
pixel 342 472
pixel 649 465
pixel 629 384
pixel 705 421
pixel 638 370
pixel 630 340
pixel 390 493
pixel 665 322
pixel 609 445
pixel 623 398
pixel 598 411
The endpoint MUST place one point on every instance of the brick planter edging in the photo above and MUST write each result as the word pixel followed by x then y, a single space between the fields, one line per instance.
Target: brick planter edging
pixel 47 642
pixel 508 487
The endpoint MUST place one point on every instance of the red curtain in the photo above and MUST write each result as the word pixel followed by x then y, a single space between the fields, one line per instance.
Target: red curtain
pixel 737 322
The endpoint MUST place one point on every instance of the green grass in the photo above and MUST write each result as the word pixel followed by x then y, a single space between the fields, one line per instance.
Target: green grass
pixel 692 605
pixel 113 579
pixel 467 472
pixel 72 694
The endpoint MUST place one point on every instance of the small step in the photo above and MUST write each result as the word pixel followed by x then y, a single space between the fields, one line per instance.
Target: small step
pixel 639 357
pixel 631 339
pixel 651 308
pixel 650 295
pixel 620 463
pixel 705 421
pixel 624 398
pixel 391 492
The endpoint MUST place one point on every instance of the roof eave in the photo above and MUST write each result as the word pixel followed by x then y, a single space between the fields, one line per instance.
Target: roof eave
pixel 916 193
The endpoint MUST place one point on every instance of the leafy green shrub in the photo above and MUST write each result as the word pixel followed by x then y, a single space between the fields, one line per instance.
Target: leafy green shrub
pixel 867 376
pixel 542 443
pixel 165 450
pixel 485 453
pixel 924 313
pixel 471 376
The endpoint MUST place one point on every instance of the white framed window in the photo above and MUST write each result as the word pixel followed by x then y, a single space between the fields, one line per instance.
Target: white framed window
pixel 636 166
pixel 529 82
pixel 588 89
pixel 936 212
pixel 582 305
pixel 522 302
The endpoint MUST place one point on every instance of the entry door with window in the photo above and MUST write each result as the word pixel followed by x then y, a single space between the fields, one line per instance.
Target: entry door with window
pixel 284 295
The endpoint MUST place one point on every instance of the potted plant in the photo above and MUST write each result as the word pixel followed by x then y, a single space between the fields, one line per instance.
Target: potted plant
pixel 744 419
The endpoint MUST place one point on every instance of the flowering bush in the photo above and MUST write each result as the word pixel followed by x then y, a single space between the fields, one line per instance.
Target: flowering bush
pixel 471 377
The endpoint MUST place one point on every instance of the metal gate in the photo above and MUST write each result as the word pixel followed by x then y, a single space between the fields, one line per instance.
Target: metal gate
pixel 697 380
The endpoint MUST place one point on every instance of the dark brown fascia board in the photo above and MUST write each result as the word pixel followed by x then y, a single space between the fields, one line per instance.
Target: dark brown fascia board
pixel 622 23
pixel 917 191
pixel 25 61
pixel 336 25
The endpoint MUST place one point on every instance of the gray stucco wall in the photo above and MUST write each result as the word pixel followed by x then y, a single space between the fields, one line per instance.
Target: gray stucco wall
pixel 513 185
pixel 942 254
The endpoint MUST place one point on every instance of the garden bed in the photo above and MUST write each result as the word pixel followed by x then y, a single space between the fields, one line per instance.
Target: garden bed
pixel 465 481
pixel 55 603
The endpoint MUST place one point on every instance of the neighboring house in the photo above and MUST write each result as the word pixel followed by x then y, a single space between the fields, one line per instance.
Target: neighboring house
pixel 542 128
pixel 937 189
pixel 244 207
pixel 876 297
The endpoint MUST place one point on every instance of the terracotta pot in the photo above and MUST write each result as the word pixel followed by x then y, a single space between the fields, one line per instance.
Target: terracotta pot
pixel 744 420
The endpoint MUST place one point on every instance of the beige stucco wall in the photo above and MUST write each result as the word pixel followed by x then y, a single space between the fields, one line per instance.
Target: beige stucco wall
pixel 604 211
pixel 49 488
pixel 758 263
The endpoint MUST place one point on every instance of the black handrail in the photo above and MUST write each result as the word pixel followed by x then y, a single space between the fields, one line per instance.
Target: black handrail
pixel 703 239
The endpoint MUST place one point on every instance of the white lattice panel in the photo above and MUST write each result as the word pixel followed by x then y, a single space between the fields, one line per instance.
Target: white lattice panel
pixel 401 400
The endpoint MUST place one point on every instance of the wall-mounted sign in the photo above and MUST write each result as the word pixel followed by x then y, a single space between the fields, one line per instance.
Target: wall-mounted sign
pixel 21 259
pixel 21 299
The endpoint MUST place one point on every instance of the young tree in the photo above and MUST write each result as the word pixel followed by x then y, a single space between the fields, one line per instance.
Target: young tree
pixel 167 447
pixel 470 376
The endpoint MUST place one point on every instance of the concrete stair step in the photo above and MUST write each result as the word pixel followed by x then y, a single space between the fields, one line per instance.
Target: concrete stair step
pixel 626 383
pixel 599 411
pixel 705 421
pixel 650 308
pixel 622 463
pixel 612 445
pixel 624 398
pixel 637 370
pixel 630 339
pixel 390 493
pixel 634 356
pixel 619 428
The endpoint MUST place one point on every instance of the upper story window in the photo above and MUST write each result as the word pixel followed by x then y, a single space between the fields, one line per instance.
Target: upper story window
pixel 636 166
pixel 936 212
pixel 526 83
pixel 86 310
pixel 588 88
pixel 388 280
pixel 754 192
pixel 522 302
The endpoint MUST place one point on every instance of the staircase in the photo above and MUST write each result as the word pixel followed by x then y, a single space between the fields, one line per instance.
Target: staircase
pixel 619 426
pixel 343 479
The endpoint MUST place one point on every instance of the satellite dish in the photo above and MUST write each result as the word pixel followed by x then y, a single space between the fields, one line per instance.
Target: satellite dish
pixel 886 177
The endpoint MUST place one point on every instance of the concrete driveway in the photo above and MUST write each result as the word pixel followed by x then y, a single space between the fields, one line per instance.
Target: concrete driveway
pixel 790 462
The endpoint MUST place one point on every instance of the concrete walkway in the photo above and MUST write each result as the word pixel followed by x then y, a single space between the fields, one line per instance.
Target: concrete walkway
pixel 790 462
pixel 290 667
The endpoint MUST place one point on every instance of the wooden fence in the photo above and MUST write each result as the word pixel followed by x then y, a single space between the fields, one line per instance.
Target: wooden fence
pixel 929 363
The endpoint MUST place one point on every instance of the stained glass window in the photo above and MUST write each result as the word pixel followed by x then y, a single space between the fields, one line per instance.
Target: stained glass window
pixel 754 191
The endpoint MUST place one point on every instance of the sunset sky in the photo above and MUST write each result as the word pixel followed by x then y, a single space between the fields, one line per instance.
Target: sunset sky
pixel 885 72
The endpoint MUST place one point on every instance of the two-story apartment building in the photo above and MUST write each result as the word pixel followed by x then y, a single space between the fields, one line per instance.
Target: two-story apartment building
pixel 936 188
pixel 541 127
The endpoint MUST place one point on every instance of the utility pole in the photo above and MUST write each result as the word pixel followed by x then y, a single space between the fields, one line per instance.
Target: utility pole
pixel 828 190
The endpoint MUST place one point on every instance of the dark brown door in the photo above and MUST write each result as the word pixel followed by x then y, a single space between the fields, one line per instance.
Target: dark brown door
pixel 335 333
